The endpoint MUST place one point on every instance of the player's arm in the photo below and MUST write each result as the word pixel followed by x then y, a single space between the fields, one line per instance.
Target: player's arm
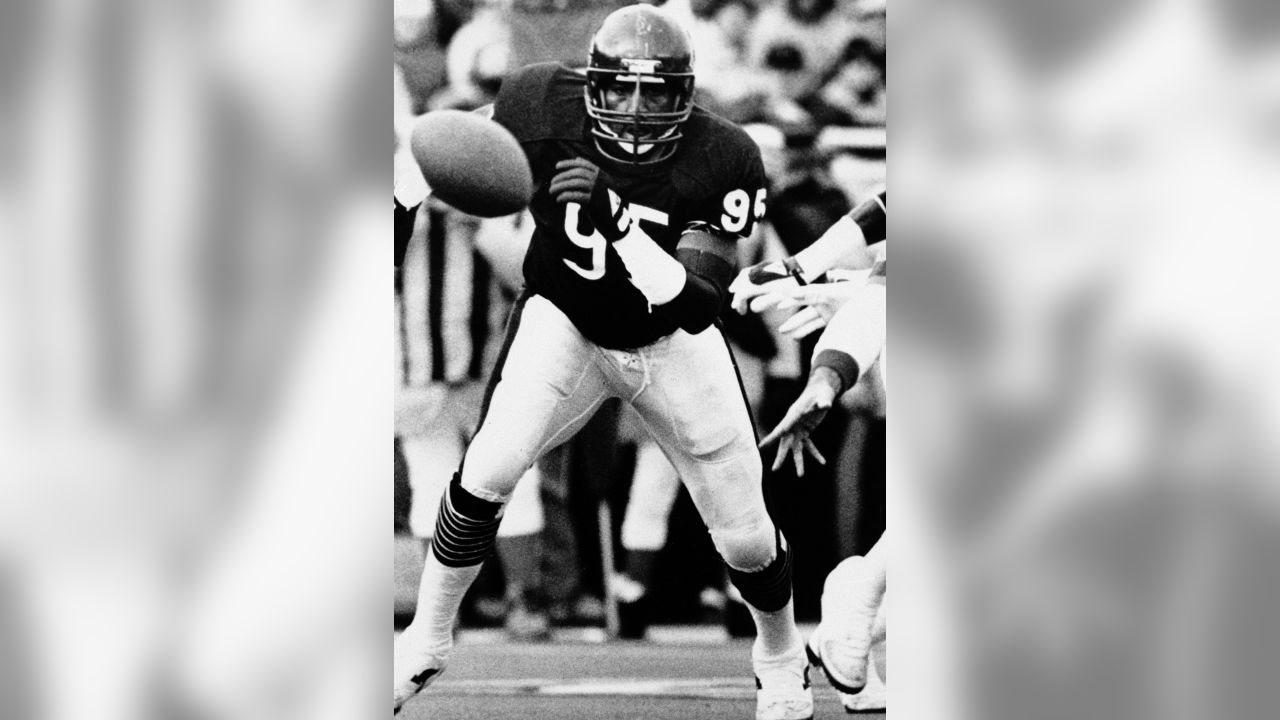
pixel 707 261
pixel 409 191
pixel 845 351
pixel 690 286
pixel 846 244
pixel 706 256
pixel 855 336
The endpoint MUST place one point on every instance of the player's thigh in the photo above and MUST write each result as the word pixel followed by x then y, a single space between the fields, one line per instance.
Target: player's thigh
pixel 547 387
pixel 694 408
pixel 523 514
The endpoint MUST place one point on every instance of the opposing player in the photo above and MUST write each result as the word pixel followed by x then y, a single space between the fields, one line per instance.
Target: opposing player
pixel 853 341
pixel 640 199
pixel 851 598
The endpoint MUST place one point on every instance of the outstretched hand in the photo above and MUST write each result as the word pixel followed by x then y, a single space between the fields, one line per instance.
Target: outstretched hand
pixel 818 303
pixel 802 418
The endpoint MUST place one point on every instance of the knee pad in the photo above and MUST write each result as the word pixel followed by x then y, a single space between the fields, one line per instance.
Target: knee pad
pixel 769 587
pixel 465 527
pixel 748 546
pixel 493 469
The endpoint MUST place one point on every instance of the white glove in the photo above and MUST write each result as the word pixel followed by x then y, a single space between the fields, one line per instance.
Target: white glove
pixel 818 304
pixel 757 287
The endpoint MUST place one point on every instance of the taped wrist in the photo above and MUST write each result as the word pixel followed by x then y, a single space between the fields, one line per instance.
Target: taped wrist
pixel 653 271
pixel 465 528
pixel 762 273
pixel 842 363
pixel 768 589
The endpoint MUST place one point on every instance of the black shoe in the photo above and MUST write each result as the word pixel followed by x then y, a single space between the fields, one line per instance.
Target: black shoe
pixel 633 618
pixel 738 621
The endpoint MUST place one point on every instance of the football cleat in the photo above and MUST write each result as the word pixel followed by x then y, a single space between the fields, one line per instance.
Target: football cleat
pixel 633 607
pixel 782 687
pixel 413 670
pixel 633 619
pixel 841 652
pixel 873 697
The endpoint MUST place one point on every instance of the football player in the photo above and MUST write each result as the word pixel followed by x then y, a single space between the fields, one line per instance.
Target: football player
pixel 640 198
pixel 854 340
pixel 854 590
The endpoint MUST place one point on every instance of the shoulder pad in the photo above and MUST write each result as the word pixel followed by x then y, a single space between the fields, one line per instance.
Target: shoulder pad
pixel 718 152
pixel 542 102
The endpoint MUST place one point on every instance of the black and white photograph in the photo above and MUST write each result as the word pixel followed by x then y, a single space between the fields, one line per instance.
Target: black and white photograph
pixel 625 329
pixel 641 317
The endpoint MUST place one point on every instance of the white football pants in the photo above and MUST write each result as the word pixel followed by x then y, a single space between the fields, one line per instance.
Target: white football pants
pixel 684 389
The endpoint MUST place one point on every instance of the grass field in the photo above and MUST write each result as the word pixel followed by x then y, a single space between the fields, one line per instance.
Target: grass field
pixel 683 673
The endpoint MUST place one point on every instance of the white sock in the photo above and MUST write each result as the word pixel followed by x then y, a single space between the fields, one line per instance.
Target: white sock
pixel 439 597
pixel 776 632
pixel 850 592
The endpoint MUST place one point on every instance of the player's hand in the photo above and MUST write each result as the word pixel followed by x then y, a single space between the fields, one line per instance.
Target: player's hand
pixel 578 180
pixel 818 303
pixel 755 287
pixel 804 415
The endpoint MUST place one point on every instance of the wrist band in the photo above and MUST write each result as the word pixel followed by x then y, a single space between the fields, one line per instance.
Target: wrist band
pixel 793 269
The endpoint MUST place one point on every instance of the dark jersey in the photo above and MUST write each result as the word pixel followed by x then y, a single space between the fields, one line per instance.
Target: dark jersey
pixel 715 181
pixel 872 217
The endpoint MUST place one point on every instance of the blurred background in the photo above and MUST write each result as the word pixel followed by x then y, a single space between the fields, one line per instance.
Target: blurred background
pixel 618 544
pixel 194 341
pixel 1083 320
pixel 197 360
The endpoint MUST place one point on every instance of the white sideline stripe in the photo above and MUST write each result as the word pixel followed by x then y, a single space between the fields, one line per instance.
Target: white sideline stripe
pixel 658 635
pixel 720 688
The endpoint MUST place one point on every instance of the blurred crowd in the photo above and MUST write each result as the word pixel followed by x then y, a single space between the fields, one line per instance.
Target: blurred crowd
pixel 788 62
pixel 600 532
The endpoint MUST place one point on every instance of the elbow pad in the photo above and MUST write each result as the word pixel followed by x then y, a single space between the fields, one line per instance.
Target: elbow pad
pixel 699 302
pixel 871 217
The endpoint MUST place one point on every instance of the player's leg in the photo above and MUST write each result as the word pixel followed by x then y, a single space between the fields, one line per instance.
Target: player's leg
pixel 546 385
pixel 519 547
pixel 851 599
pixel 694 407
pixel 654 487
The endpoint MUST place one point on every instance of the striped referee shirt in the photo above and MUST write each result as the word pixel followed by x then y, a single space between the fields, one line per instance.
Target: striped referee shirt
pixel 450 308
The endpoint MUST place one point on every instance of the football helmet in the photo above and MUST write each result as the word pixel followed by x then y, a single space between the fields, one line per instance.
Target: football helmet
pixel 639 85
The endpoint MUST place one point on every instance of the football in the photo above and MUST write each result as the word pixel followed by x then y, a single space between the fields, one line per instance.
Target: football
pixel 472 163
